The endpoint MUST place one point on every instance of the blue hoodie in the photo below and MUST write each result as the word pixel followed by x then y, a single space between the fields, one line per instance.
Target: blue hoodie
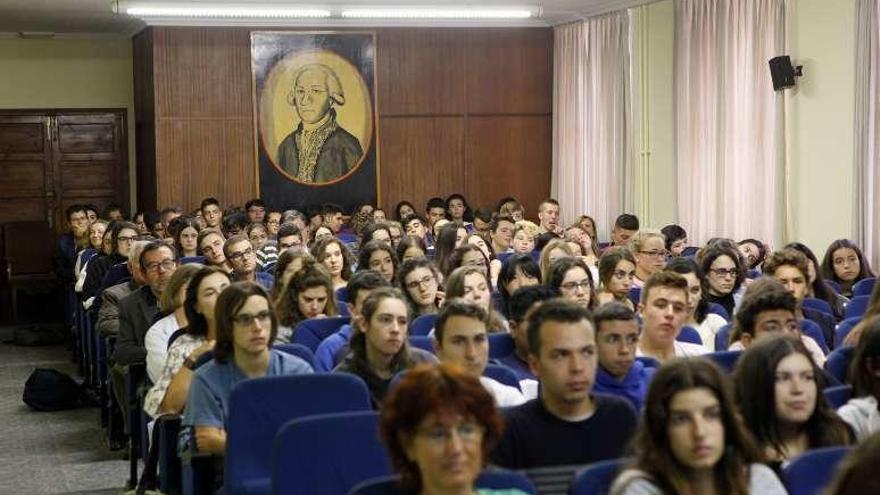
pixel 633 387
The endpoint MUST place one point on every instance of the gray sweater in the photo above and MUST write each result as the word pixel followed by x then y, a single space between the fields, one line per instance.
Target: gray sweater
pixel 762 481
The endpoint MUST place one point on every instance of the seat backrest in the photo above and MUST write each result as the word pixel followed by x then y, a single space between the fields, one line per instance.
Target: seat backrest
pixel 843 329
pixel 810 472
pixel 838 362
pixel 690 335
pixel 422 342
pixel 186 260
pixel 502 374
pixel 722 338
pixel 299 351
pixel 719 310
pixel 493 479
pixel 812 329
pixel 856 307
pixel 833 285
pixel 311 332
pixel 863 287
pixel 819 304
pixel 635 295
pixel 726 360
pixel 422 325
pixel 596 479
pixel 258 409
pixel 328 454
pixel 501 345
pixel 838 396
pixel 553 480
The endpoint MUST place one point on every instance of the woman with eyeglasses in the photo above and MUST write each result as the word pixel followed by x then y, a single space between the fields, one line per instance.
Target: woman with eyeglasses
pixel 420 281
pixel 572 278
pixel 617 269
pixel 379 348
pixel 724 272
pixel 439 425
pixel 123 234
pixel 246 328
pixel 649 249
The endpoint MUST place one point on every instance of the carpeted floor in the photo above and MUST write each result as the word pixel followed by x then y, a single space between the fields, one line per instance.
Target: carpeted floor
pixel 50 453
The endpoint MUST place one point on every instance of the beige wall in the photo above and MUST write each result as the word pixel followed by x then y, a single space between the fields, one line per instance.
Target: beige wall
pixel 69 73
pixel 819 119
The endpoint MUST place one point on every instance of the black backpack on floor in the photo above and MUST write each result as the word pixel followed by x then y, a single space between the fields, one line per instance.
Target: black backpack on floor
pixel 51 390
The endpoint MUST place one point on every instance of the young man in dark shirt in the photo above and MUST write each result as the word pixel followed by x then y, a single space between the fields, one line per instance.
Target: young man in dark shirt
pixel 566 424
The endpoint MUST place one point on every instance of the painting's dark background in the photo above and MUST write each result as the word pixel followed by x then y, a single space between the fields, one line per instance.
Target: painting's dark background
pixel 459 110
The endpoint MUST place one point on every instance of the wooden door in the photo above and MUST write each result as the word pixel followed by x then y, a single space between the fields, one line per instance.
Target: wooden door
pixel 26 169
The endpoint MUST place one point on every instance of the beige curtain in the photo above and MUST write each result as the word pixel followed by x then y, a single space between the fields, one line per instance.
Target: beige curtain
pixel 591 157
pixel 867 129
pixel 728 120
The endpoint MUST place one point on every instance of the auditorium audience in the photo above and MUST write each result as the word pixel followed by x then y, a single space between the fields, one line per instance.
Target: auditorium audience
pixel 470 284
pixel 572 278
pixel 548 216
pixel 256 210
pixel 779 391
pixel 435 209
pixel 420 282
pixel 525 234
pixel 211 247
pixel 501 234
pixel 724 271
pixel 617 270
pixel 567 424
pixel 380 257
pixel 618 372
pixel 457 210
pixel 691 439
pixel 403 210
pixel 649 249
pixel 705 323
pixel 861 412
pixel 239 252
pixel 185 232
pixel 264 247
pixel 845 264
pixel 290 262
pixel 308 294
pixel 522 302
pixel 519 270
pixel 664 308
pixel 291 236
pixel 380 350
pixel 336 257
pixel 246 329
pixel 121 237
pixel 753 253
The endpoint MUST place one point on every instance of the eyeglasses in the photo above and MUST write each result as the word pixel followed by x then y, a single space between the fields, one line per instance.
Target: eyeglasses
pixel 241 254
pixel 468 432
pixel 427 280
pixel 724 272
pixel 156 265
pixel 656 254
pixel 583 284
pixel 247 320
pixel 620 275
pixel 126 238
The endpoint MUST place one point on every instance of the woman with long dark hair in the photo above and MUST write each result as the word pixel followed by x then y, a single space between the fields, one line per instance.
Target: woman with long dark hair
pixel 845 264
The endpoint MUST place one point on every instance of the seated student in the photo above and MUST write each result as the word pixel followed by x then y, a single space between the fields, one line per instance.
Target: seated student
pixel 211 247
pixel 246 329
pixel 523 301
pixel 256 210
pixel 663 310
pixel 185 232
pixel 676 239
pixel 273 223
pixel 705 323
pixel 466 255
pixel 817 286
pixel 171 305
pixel 692 440
pixel 380 350
pixel 789 267
pixel 266 251
pixel 779 393
pixel 396 232
pixel 555 249
pixel 380 257
pixel 619 373
pixel 290 262
pixel 572 278
pixel 525 234
pixel 234 222
pixel 333 219
pixel 402 210
pixel 457 210
pixel 519 270
pixel 617 270
pixel 108 314
pixel 121 237
pixel 482 222
pixel 567 424
pixel 379 215
pixel 332 349
pixel 478 241
pixel 239 251
pixel 460 338
pixel 649 249
pixel 439 425
pixel 548 216
pixel 589 249
pixel 625 227
pixel 470 284
pixel 861 412
pixel 845 264
pixel 513 209
pixel 374 232
pixel 753 253
pixel 450 236
pixel 411 247
pixel 84 255
pixel 421 283
pixel 501 234
pixel 291 236
pixel 170 389
pixel 336 257
pixel 309 294
pixel 435 209
pixel 417 227
pixel 211 213
pixel 766 309
pixel 725 274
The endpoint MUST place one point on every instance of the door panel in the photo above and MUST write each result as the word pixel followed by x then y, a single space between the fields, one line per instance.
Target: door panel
pixel 26 189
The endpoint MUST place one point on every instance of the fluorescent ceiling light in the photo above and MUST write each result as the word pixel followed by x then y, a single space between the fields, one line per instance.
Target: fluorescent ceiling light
pixel 437 13
pixel 219 10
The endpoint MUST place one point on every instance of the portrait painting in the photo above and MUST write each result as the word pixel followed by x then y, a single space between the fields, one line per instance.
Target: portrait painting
pixel 314 117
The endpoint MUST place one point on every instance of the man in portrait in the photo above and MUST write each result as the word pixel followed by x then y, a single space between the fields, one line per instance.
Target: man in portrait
pixel 319 149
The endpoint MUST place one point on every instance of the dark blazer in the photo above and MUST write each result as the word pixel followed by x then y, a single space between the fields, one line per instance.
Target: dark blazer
pixel 108 315
pixel 136 313
pixel 339 154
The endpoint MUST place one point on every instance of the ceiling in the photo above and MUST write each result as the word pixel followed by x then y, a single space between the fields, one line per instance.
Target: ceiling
pixel 95 17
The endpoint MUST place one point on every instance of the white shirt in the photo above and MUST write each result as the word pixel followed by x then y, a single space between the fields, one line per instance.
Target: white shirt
pixel 504 395
pixel 156 342
pixel 811 345
pixel 680 349
pixel 709 328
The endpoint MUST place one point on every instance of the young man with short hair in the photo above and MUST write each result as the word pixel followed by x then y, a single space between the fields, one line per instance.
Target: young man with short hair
pixel 482 221
pixel 460 337
pixel 167 215
pixel 333 349
pixel 619 373
pixel 567 424
pixel 333 220
pixel 501 234
pixel 521 302
pixel 211 213
pixel 255 209
pixel 625 227
pixel 290 237
pixel 664 311
pixel 416 226
pixel 548 216
pixel 240 253
pixel 435 209
pixel 70 243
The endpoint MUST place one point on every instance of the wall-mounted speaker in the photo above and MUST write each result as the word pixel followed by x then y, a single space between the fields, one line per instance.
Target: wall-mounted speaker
pixel 783 73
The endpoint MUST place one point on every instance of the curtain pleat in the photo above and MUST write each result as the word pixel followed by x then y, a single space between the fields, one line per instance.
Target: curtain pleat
pixel 867 129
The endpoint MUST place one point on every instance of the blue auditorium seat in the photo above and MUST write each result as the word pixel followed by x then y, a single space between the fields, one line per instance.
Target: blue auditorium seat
pixel 810 472
pixel 856 307
pixel 726 360
pixel 838 362
pixel 864 287
pixel 596 479
pixel 690 335
pixel 422 325
pixel 493 479
pixel 838 396
pixel 311 332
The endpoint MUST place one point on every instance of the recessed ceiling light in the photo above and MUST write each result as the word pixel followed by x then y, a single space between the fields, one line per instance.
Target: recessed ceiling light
pixel 437 13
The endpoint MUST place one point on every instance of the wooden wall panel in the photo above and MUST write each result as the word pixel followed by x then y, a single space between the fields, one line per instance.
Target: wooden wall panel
pixel 510 71
pixel 420 157
pixel 509 154
pixel 421 72
pixel 145 120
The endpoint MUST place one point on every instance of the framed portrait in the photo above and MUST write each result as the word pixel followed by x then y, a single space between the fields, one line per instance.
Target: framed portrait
pixel 315 118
